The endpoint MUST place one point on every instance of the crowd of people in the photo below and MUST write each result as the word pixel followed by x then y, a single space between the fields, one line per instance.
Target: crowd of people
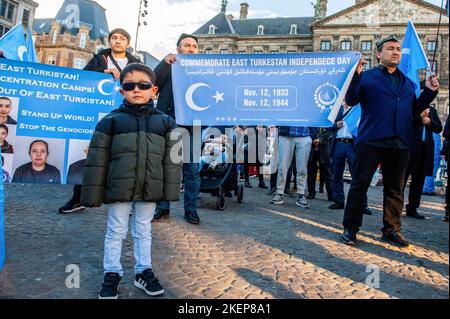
pixel 129 165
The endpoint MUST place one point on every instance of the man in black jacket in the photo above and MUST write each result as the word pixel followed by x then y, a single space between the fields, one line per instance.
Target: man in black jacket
pixel 110 61
pixel 421 161
pixel 186 44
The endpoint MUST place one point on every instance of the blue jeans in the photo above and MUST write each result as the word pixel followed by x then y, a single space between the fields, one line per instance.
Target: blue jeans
pixel 342 152
pixel 141 231
pixel 191 178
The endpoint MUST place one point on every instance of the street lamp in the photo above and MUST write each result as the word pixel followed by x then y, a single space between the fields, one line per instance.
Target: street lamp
pixel 143 12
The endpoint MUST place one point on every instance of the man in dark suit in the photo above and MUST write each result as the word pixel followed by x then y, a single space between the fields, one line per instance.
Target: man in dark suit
pixel 421 162
pixel 388 100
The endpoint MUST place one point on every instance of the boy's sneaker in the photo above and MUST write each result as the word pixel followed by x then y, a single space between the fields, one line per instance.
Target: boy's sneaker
pixel 277 199
pixel 301 201
pixel 71 206
pixel 149 283
pixel 109 286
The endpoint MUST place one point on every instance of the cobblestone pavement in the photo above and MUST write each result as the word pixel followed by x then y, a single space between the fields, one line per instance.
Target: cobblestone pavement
pixel 252 250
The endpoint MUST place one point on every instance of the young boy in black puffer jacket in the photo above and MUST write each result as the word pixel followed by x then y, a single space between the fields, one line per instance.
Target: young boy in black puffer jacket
pixel 132 163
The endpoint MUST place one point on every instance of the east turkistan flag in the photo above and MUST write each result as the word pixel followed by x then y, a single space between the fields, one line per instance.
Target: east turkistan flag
pixel 13 44
pixel 413 56
pixel 352 119
pixel 31 50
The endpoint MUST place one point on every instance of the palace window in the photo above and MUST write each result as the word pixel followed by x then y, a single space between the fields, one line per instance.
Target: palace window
pixel 366 45
pixel 260 30
pixel 7 9
pixel 431 46
pixel 346 45
pixel 83 37
pixel 51 59
pixel 79 63
pixel 325 46
pixel 26 18
pixel 294 29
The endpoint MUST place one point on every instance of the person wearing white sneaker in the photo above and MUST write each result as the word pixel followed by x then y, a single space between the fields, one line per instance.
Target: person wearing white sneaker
pixel 298 140
pixel 121 172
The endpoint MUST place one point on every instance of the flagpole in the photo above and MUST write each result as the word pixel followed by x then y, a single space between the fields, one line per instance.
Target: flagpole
pixel 437 38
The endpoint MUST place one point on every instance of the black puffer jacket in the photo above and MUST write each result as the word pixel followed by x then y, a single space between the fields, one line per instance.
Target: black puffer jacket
pixel 129 158
pixel 99 62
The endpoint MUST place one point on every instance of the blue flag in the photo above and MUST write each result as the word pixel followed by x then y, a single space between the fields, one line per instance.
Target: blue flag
pixel 352 119
pixel 13 44
pixel 2 223
pixel 414 57
pixel 31 50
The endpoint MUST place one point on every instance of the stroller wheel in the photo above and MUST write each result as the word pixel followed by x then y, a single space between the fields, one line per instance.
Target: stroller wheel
pixel 240 193
pixel 221 203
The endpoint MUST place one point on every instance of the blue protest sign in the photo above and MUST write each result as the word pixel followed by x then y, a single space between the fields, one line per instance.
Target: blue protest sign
pixel 2 224
pixel 304 89
pixel 57 105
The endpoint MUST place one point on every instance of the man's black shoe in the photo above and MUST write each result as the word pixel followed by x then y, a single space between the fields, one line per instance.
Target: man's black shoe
pixel 262 185
pixel 336 206
pixel 414 214
pixel 161 213
pixel 349 237
pixel 71 206
pixel 445 219
pixel 311 196
pixel 367 211
pixel 192 217
pixel 395 238
pixel 109 286
pixel 247 184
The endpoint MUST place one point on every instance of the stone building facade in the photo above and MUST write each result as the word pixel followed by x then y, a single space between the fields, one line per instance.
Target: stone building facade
pixel 356 28
pixel 13 12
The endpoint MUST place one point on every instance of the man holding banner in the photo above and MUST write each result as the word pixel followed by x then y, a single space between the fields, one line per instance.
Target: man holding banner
pixel 186 44
pixel 388 100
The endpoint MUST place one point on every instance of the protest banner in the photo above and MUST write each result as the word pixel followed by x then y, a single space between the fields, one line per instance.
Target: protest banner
pixel 304 89
pixel 60 106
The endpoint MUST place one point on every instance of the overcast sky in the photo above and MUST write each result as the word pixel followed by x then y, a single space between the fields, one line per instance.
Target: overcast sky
pixel 167 19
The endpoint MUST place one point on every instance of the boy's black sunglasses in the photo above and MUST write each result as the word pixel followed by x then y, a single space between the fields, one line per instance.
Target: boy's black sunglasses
pixel 144 86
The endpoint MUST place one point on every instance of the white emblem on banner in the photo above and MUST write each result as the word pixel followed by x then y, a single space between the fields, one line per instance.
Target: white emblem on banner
pixel 326 96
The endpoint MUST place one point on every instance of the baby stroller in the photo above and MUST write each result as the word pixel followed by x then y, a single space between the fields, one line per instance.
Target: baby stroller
pixel 222 182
